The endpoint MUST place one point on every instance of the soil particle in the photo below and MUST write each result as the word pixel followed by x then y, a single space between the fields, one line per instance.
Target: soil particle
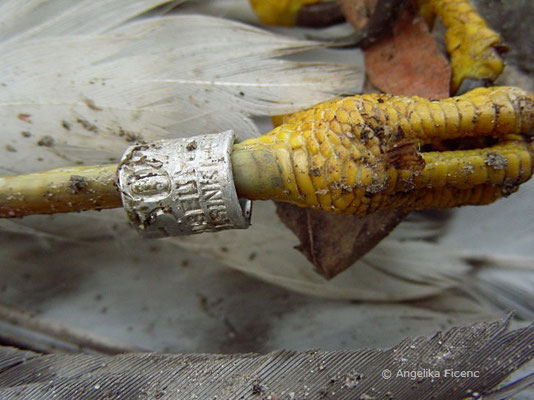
pixel 191 146
pixel 129 136
pixel 87 125
pixel 509 187
pixel 46 141
pixel 25 117
pixel 77 183
pixel 257 389
pixel 496 161
pixel 469 169
pixel 316 172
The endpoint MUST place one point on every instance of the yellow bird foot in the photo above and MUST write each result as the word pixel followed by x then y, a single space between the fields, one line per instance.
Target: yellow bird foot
pixel 475 49
pixel 364 153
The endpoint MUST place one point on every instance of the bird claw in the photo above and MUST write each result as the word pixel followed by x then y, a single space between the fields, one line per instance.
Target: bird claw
pixel 475 50
pixel 364 153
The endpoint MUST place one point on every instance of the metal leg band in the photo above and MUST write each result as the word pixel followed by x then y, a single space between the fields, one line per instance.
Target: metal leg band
pixel 182 186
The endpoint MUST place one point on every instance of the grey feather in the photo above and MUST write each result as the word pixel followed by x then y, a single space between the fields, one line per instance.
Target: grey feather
pixel 52 50
pixel 282 374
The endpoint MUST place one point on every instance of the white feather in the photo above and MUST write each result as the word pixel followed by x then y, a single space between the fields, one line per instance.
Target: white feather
pixel 401 267
pixel 150 78
pixel 92 79
pixel 24 20
pixel 504 228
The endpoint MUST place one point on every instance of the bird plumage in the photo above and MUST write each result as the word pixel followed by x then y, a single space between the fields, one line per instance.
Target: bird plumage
pixel 80 81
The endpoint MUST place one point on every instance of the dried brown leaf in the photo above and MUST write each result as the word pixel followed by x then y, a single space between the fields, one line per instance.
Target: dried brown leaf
pixel 332 242
pixel 408 62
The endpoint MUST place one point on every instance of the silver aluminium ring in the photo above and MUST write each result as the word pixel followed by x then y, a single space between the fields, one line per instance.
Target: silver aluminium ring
pixel 178 187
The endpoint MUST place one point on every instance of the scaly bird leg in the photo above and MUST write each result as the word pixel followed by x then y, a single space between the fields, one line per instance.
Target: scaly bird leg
pixel 362 153
pixel 353 155
pixel 279 12
pixel 473 47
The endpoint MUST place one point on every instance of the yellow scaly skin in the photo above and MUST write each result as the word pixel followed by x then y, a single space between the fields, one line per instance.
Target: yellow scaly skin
pixel 471 44
pixel 360 154
pixel 279 12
